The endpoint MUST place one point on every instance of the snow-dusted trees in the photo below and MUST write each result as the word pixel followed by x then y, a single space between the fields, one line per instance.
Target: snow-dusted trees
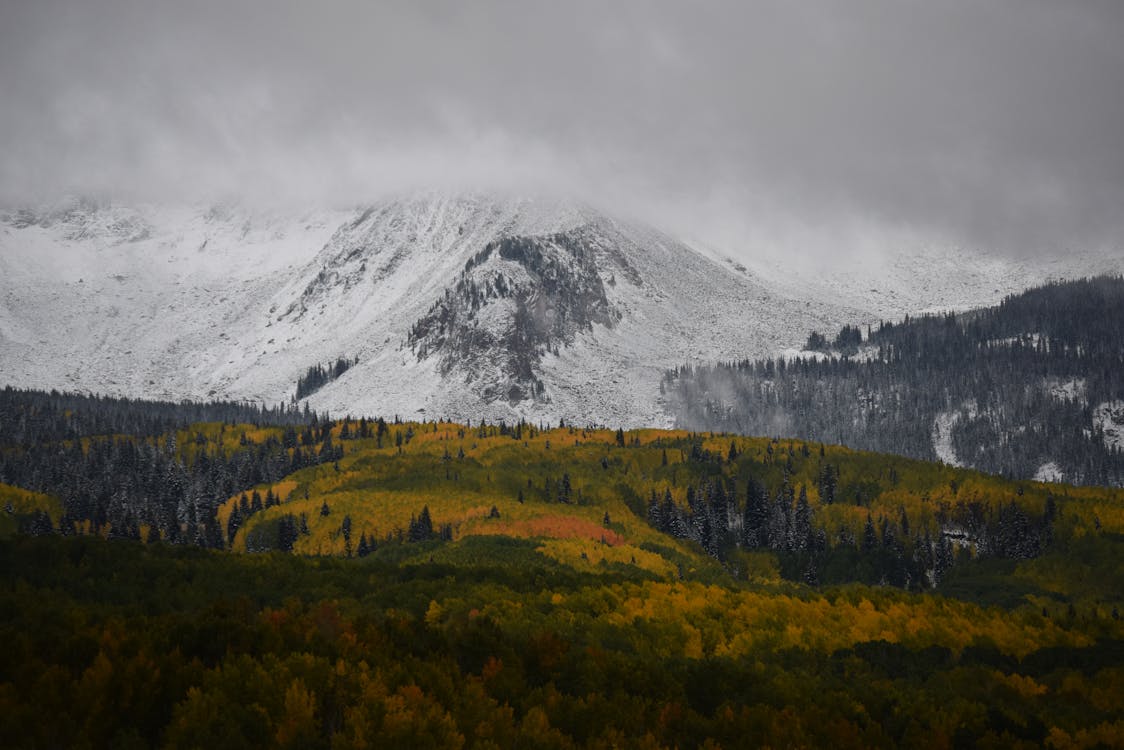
pixel 1017 385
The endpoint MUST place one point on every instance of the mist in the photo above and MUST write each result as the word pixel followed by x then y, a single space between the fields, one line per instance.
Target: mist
pixel 808 128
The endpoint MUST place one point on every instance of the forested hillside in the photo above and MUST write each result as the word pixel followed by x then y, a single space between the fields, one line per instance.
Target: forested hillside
pixel 115 466
pixel 1031 388
pixel 118 644
pixel 433 584
pixel 662 502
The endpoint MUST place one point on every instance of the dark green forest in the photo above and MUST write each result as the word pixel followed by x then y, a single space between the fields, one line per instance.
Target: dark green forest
pixel 1035 384
pixel 278 578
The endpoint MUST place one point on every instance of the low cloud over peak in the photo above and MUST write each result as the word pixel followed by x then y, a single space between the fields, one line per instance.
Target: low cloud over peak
pixel 994 125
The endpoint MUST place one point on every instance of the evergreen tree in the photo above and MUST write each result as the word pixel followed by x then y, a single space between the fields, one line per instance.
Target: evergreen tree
pixel 345 530
pixel 287 533
pixel 943 559
pixel 870 538
pixel 233 523
pixel 811 575
pixel 564 489
pixel 421 527
pixel 756 515
pixel 801 524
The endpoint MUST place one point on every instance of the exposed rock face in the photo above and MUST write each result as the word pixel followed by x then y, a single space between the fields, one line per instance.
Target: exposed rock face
pixel 515 300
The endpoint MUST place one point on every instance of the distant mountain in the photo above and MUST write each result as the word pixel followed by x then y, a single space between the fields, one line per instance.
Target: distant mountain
pixel 1031 388
pixel 465 306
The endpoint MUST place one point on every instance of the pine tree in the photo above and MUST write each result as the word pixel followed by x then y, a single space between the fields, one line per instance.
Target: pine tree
pixel 811 575
pixel 870 538
pixel 655 517
pixel 233 523
pixel 68 528
pixel 287 533
pixel 943 559
pixel 756 515
pixel 777 526
pixel 345 530
pixel 828 480
pixel 564 489
pixel 671 519
pixel 801 523
pixel 421 527
pixel 40 524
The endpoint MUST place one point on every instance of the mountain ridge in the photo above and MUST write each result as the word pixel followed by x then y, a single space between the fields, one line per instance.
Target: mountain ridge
pixel 228 302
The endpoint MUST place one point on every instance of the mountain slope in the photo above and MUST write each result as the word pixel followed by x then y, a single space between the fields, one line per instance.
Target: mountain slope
pixel 179 303
pixel 162 311
pixel 1031 388
pixel 473 306
pixel 463 306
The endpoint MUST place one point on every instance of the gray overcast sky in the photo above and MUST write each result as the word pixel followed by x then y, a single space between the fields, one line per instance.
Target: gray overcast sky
pixel 996 123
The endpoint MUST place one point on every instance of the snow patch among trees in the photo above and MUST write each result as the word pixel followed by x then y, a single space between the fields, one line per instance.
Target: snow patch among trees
pixel 1073 389
pixel 1109 419
pixel 1049 472
pixel 943 426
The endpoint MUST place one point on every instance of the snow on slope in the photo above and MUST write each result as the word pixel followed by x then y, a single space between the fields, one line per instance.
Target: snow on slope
pixel 194 302
pixel 943 426
pixel 174 302
pixel 671 304
pixel 1049 472
pixel 1109 419
pixel 152 311
pixel 911 280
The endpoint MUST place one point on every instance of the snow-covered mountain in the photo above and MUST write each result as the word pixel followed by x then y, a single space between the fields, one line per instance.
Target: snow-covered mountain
pixel 463 306
pixel 914 279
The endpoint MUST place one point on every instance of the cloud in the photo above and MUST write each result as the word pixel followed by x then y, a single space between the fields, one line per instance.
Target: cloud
pixel 993 124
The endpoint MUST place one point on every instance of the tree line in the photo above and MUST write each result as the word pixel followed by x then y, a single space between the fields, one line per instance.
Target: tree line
pixel 317 376
pixel 1012 390
pixel 723 519
pixel 119 465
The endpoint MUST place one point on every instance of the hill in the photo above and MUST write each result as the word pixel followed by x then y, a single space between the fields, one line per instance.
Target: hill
pixel 1031 388
pixel 448 585
pixel 658 504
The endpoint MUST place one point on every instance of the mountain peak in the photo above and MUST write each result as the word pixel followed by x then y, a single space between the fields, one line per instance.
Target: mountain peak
pixel 463 304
